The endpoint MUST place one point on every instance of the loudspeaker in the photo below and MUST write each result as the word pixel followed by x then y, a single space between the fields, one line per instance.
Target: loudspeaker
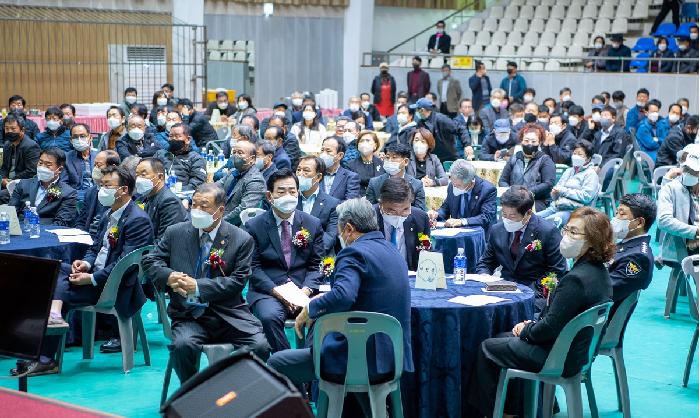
pixel 238 386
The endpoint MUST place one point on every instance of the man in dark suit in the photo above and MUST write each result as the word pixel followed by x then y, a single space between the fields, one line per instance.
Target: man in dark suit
pixel 137 141
pixel 400 222
pixel 265 153
pixel 181 161
pixel 79 161
pixel 290 142
pixel 370 275
pixel 338 181
pixel 524 245
pixel 632 267
pixel 125 229
pixel 444 129
pixel 395 163
pixel 162 206
pixel 471 200
pixel 202 131
pixel 206 302
pixel 275 135
pixel 91 213
pixel 417 81
pixel 316 202
pixel 20 154
pixel 244 186
pixel 288 247
pixel 54 200
pixel 611 140
pixel 439 42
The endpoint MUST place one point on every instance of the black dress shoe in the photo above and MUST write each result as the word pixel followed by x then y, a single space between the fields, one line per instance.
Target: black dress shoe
pixel 36 368
pixel 113 345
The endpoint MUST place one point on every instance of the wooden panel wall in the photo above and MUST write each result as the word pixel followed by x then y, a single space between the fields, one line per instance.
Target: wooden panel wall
pixel 55 62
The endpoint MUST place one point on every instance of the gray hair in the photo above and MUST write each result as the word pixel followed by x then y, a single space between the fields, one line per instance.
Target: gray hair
pixel 246 131
pixel 130 163
pixel 215 189
pixel 498 91
pixel 463 170
pixel 359 213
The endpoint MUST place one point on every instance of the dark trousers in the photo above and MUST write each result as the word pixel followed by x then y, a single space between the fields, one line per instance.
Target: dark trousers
pixel 504 351
pixel 190 335
pixel 673 6
pixel 444 111
pixel 272 314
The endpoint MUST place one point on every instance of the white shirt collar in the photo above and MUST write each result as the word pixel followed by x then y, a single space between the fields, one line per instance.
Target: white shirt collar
pixel 117 214
pixel 212 233
pixel 279 220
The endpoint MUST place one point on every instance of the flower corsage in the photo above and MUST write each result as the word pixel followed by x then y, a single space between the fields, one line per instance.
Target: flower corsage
pixel 113 236
pixel 301 238
pixel 424 242
pixel 215 259
pixel 535 245
pixel 53 193
pixel 549 283
pixel 326 267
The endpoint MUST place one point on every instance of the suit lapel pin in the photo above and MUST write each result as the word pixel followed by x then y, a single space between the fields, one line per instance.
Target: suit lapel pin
pixel 411 229
pixel 223 242
pixel 476 197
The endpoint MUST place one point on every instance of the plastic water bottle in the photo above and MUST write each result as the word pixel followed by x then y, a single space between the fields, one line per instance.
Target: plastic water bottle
pixel 34 228
pixel 4 228
pixel 27 216
pixel 220 159
pixel 460 267
pixel 170 182
pixel 210 160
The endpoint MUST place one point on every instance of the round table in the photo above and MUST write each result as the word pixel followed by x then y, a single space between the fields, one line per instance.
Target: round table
pixel 46 246
pixel 473 241
pixel 445 337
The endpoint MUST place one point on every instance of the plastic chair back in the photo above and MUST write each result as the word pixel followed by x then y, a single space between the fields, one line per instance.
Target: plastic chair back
pixel 645 167
pixel 614 333
pixel 690 271
pixel 689 11
pixel 596 159
pixel 665 29
pixel 614 164
pixel 247 214
pixel 357 327
pixel 659 173
pixel 108 297
pixel 447 164
pixel 594 318
pixel 644 45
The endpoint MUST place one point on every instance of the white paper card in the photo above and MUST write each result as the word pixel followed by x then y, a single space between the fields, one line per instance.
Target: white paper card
pixel 483 278
pixel 11 212
pixel 476 300
pixel 292 294
pixel 448 232
pixel 67 232
pixel 79 239
pixel 483 289
pixel 431 271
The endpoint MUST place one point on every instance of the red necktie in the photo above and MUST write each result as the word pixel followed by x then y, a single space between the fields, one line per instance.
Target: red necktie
pixel 515 245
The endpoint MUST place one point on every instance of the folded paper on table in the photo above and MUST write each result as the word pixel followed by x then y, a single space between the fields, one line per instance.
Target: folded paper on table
pixel 78 239
pixel 483 278
pixel 448 232
pixel 11 212
pixel 431 271
pixel 292 294
pixel 476 300
pixel 485 290
pixel 67 232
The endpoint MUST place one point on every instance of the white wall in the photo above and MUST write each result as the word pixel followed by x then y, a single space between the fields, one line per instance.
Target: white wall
pixel 395 24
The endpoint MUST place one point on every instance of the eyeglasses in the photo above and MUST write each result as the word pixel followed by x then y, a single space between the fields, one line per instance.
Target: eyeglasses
pixel 568 231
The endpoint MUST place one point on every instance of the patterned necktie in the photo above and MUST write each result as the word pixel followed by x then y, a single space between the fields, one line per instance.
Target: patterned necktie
pixel 515 245
pixel 286 243
pixel 204 247
pixel 465 205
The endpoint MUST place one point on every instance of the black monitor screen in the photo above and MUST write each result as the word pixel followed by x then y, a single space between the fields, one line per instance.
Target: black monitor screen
pixel 26 285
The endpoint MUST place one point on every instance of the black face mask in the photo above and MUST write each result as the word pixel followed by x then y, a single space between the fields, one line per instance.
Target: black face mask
pixel 416 66
pixel 384 72
pixel 530 149
pixel 12 136
pixel 176 145
pixel 511 71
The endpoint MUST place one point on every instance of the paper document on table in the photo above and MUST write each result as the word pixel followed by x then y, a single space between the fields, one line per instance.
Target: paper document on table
pixel 78 239
pixel 448 232
pixel 483 278
pixel 476 300
pixel 67 232
pixel 292 294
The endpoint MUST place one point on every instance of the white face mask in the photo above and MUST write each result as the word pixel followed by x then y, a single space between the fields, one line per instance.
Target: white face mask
pixel 143 185
pixel 573 120
pixel 555 129
pixel 114 123
pixel 653 116
pixel 161 120
pixel 161 101
pixel 621 227
pixel 365 148
pixel 662 47
pixel 201 219
pixel 348 137
pixel 595 117
pixel 527 98
pixel 309 115
pixel 496 103
pixel 96 174
pixel 517 121
pixel 689 180
pixel 53 124
pixel 640 104
pixel 566 98
pixel 80 144
pixel 297 102
pixel 571 248
pixel 392 167
pixel 512 226
pixel 169 126
pixel 354 107
pixel 280 113
pixel 502 137
pixel 222 105
pixel 684 109
pixel 44 174
pixel 693 35
pixel 394 220
pixel 577 160
pixel 673 118
pixel 420 148
pixel 328 160
pixel 615 45
pixel 343 244
pixel 402 118
pixel 305 183
pixel 543 120
pixel 106 196
pixel 286 203
pixel 136 134
pixel 242 105
pixel 365 105
pixel 598 45
pixel 130 99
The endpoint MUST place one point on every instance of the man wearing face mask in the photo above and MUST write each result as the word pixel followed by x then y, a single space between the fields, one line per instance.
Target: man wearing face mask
pixel 513 84
pixel 618 49
pixel 91 213
pixel 612 140
pixel 417 81
pixel 314 201
pixel 181 160
pixel 400 222
pixel 116 122
pixel 16 105
pixel 480 85
pixel 497 143
pixel 636 114
pixel 395 164
pixel 206 301
pixel 244 186
pixel 338 181
pixel 678 213
pixel 559 141
pixel 392 124
pixel 678 138
pixel 55 200
pixel 55 135
pixel 68 115
pixel 281 159
pixel 79 161
pixel 444 129
pixel 578 125
pixel 406 125
pixel 493 111
pixel 20 154
pixel 471 200
pixel 685 51
pixel 652 130
pixel 130 98
pixel 226 108
pixel 137 141
pixel 449 91
pixel 202 131
pixel 632 267
pixel 82 282
pixel 288 247
pixel 279 110
pixel 355 105
pixel 161 205
pixel 350 140
pixel 290 141
pixel 265 152
pixel 509 239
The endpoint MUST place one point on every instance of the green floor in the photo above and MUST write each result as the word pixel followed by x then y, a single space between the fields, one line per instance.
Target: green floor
pixel 655 353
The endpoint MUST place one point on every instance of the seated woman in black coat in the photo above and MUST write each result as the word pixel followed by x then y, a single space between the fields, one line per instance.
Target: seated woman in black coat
pixel 531 167
pixel 588 240
pixel 423 164
pixel 367 165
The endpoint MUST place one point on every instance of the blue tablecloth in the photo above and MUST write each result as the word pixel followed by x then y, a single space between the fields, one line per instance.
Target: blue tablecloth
pixel 473 242
pixel 445 337
pixel 46 246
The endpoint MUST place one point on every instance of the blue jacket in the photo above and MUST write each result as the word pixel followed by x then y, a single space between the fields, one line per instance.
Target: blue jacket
pixel 74 168
pixel 392 125
pixel 633 118
pixel 281 159
pixel 346 185
pixel 481 209
pixel 366 272
pixel 60 138
pixel 517 86
pixel 91 209
pixel 126 147
pixel 650 136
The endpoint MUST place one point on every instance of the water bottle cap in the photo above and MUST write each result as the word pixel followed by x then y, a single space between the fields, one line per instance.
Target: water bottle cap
pixel 460 251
